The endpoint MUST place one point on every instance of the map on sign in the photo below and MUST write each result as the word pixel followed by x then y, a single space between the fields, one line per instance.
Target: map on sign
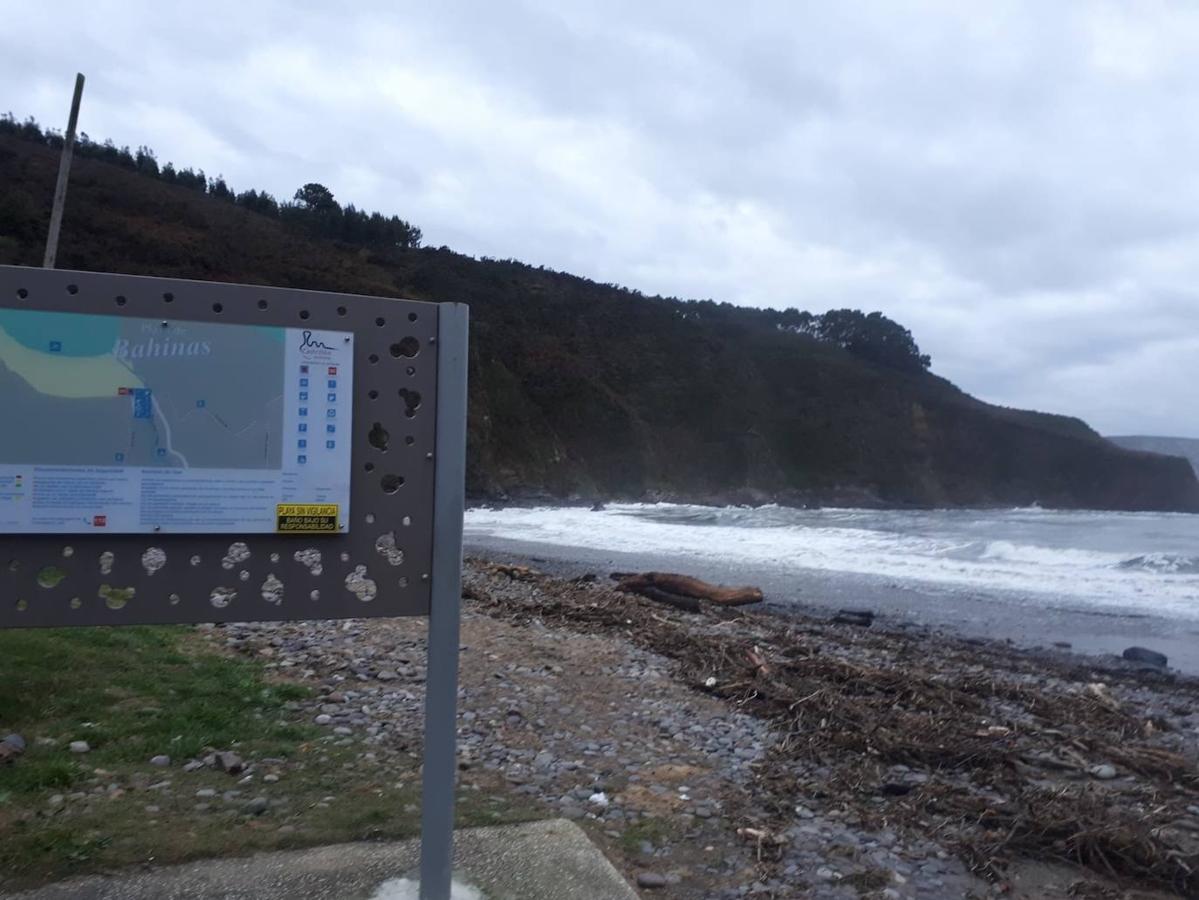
pixel 131 425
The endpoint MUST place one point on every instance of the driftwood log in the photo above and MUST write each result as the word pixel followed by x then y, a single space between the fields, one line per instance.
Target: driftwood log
pixel 683 591
pixel 515 572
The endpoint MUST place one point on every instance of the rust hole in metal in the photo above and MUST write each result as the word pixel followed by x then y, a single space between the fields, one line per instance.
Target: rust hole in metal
pixel 407 347
pixel 153 559
pixel 362 587
pixel 50 577
pixel 411 401
pixel 116 597
pixel 272 590
pixel 221 597
pixel 238 552
pixel 311 558
pixel 385 546
pixel 378 437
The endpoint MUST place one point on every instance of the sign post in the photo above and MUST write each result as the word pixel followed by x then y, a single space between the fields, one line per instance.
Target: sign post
pixel 441 683
pixel 182 451
pixel 64 173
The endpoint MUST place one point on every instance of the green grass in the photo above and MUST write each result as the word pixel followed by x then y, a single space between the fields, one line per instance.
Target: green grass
pixel 131 693
pixel 651 829
pixel 136 692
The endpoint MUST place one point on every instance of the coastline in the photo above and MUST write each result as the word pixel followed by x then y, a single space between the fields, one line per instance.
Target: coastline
pixel 1027 623
pixel 896 763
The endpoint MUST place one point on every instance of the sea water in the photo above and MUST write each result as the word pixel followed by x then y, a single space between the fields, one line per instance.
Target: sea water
pixel 1132 562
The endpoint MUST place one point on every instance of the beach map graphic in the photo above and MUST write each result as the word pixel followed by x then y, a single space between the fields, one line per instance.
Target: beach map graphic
pixel 132 424
pixel 101 390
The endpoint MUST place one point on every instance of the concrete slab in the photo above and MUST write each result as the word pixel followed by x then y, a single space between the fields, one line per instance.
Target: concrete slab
pixel 550 860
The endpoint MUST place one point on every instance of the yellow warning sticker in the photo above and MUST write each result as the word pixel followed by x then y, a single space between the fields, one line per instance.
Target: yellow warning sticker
pixel 307 518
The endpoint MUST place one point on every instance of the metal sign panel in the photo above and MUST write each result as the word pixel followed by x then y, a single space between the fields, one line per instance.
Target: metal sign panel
pixel 377 562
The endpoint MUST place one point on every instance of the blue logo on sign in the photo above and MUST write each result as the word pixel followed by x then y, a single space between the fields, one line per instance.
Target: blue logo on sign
pixel 142 408
pixel 56 346
pixel 331 428
pixel 301 443
pixel 331 413
pixel 303 382
pixel 303 410
pixel 200 404
pixel 330 444
pixel 161 451
pixel 301 459
pixel 303 427
pixel 119 457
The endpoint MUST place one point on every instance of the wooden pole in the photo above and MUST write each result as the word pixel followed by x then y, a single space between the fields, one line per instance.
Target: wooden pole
pixel 64 171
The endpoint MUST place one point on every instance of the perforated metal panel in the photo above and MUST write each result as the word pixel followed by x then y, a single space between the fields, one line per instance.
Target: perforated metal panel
pixel 380 567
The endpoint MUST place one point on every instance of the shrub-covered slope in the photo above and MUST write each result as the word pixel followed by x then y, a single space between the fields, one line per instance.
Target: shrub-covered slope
pixel 589 390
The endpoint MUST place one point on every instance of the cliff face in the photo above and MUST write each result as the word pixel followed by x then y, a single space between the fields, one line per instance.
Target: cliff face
pixel 581 389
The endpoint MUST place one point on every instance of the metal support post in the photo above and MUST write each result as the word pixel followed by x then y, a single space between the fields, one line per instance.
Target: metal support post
pixel 441 686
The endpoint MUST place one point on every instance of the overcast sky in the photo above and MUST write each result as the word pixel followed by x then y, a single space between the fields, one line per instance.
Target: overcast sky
pixel 1018 183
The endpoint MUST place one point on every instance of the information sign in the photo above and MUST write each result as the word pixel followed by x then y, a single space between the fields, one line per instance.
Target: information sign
pixel 131 425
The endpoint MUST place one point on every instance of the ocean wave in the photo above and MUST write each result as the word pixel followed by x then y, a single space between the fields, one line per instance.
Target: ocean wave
pixel 1084 558
pixel 1163 563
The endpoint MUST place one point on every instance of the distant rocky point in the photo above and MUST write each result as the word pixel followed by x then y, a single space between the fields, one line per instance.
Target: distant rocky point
pixel 1188 448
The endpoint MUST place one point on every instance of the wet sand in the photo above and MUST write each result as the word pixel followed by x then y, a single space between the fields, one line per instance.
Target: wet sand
pixel 1028 621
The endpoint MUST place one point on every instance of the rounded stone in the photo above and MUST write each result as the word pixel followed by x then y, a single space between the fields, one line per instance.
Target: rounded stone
pixel 651 880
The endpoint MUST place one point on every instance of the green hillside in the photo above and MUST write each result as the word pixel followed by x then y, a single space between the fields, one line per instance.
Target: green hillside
pixel 586 390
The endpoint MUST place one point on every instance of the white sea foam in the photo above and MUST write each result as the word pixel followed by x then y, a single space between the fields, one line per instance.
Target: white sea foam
pixel 1143 561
